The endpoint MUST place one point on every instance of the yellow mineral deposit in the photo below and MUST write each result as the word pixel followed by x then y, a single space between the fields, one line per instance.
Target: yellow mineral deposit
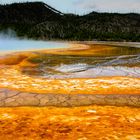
pixel 13 79
pixel 52 123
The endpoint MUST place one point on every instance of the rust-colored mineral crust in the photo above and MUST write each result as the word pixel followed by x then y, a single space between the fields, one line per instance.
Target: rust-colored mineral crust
pixel 79 123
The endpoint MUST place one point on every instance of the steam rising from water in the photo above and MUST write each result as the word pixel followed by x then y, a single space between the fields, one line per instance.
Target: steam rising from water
pixel 8 34
pixel 10 42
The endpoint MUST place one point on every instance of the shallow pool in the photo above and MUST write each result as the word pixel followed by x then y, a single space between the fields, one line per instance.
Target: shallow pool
pixel 24 44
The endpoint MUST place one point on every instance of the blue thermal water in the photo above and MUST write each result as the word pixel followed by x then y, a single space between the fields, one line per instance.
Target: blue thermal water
pixel 23 45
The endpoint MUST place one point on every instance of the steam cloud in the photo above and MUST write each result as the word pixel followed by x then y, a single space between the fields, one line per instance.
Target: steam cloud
pixel 8 34
pixel 9 41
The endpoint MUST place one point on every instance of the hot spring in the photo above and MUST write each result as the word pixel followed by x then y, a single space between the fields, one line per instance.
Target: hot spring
pixel 73 68
pixel 95 60
pixel 12 45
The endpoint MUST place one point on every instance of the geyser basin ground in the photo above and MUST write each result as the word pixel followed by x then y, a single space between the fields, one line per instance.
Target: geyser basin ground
pixel 85 74
pixel 78 123
pixel 82 69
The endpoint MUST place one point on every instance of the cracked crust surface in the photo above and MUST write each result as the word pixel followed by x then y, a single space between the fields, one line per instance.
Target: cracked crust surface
pixel 11 98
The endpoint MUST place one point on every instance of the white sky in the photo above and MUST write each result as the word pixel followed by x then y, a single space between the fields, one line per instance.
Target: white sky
pixel 85 6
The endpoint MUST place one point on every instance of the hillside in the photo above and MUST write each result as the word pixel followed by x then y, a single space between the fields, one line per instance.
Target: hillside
pixel 23 16
pixel 41 21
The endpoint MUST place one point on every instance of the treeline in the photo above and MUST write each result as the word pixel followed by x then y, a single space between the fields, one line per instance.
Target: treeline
pixel 40 21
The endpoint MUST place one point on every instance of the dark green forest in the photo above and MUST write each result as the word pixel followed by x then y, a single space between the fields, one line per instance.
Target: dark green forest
pixel 40 21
